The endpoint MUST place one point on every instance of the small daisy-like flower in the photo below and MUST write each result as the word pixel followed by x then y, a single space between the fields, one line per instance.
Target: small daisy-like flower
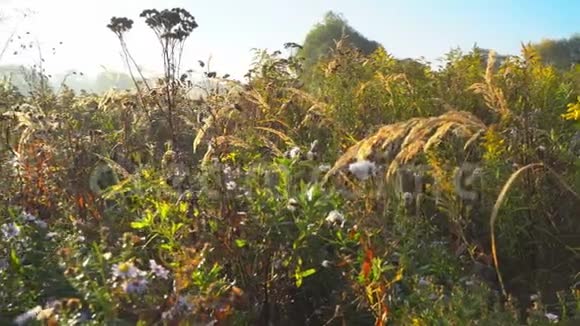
pixel 231 185
pixel 135 286
pixel 292 204
pixel 10 231
pixel 293 153
pixel 553 318
pixel 158 270
pixel 51 235
pixel 126 270
pixel 107 255
pixel 335 217
pixel 362 169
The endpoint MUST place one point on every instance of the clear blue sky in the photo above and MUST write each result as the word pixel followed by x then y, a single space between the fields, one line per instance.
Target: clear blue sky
pixel 230 28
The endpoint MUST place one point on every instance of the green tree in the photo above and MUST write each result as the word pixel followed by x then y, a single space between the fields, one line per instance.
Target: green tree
pixel 562 53
pixel 322 37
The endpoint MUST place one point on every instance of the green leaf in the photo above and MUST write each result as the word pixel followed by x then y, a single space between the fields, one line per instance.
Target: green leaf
pixel 307 272
pixel 240 243
pixel 163 210
pixel 14 259
pixel 140 224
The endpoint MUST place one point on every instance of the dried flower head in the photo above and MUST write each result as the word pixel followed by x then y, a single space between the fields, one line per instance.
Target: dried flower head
pixel 363 169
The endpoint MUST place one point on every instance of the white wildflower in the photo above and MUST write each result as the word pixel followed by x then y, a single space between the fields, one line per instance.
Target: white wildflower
pixel 534 297
pixel 335 217
pixel 310 194
pixel 51 235
pixel 292 204
pixel 231 185
pixel 363 169
pixel 553 318
pixel 158 270
pixel 126 270
pixel 107 255
pixel 293 153
pixel 27 316
pixel 10 230
pixel 326 263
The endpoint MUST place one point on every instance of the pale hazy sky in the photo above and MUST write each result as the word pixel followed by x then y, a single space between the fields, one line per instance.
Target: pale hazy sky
pixel 228 29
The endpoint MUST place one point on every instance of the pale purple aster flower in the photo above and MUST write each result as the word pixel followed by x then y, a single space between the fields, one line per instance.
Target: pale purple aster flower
pixel 158 270
pixel 10 230
pixel 135 286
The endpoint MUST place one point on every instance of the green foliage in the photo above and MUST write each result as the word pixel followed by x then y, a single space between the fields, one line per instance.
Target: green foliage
pixel 562 53
pixel 147 207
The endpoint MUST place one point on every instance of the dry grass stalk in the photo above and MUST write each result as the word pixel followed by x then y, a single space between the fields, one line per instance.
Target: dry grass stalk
pixel 400 143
